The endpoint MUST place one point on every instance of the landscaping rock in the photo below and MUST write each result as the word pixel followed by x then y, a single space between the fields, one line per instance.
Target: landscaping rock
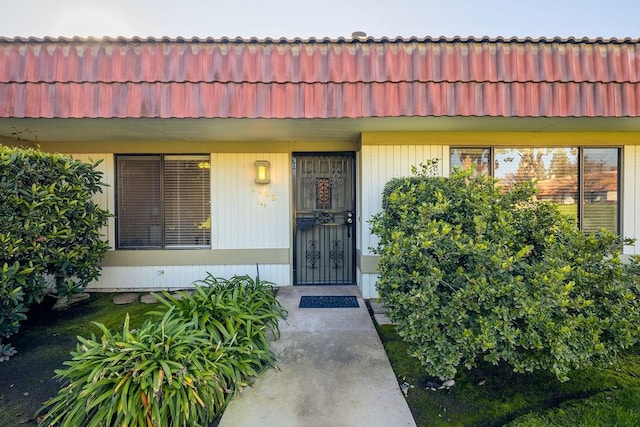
pixel 79 297
pixel 63 303
pixel 148 299
pixel 448 383
pixel 125 298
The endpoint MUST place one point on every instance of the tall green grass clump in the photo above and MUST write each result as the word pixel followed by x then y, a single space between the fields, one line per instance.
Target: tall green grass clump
pixel 240 312
pixel 180 368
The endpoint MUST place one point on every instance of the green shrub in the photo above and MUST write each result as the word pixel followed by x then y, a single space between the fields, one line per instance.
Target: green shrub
pixel 14 301
pixel 181 370
pixel 48 216
pixel 470 272
pixel 48 226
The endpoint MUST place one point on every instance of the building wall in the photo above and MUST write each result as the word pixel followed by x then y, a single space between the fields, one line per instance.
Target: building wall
pixel 251 224
pixel 107 197
pixel 384 156
pixel 250 229
pixel 381 163
pixel 250 215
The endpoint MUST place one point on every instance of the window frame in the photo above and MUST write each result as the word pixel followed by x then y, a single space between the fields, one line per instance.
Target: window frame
pixel 164 246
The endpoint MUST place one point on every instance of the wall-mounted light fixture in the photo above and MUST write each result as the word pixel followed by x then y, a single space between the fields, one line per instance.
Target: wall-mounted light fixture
pixel 262 172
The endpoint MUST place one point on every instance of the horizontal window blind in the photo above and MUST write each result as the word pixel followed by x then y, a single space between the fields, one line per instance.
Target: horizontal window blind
pixel 600 203
pixel 139 218
pixel 186 201
pixel 163 202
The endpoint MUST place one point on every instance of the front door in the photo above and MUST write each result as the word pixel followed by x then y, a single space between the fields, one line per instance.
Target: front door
pixel 324 232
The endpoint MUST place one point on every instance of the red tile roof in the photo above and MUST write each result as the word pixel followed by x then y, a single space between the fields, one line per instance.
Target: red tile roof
pixel 181 78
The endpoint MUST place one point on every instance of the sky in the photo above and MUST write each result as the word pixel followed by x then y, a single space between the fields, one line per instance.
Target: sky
pixel 324 18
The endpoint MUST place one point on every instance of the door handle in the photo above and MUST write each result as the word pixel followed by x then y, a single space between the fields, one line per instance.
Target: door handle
pixel 349 223
pixel 349 219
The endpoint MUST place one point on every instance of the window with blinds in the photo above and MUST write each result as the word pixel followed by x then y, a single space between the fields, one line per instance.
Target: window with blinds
pixel 583 182
pixel 163 202
pixel 601 189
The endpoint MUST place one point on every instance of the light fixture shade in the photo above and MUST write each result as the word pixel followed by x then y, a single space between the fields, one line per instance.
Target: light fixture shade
pixel 263 175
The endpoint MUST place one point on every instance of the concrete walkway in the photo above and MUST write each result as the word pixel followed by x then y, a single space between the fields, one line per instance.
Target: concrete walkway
pixel 333 371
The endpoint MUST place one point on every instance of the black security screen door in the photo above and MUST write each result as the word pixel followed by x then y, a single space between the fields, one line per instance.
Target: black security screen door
pixel 324 233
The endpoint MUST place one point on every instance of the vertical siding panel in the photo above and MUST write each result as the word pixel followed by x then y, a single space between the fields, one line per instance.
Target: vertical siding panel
pixel 365 191
pixel 252 216
pixel 368 286
pixel 365 196
pixel 373 171
pixel 416 160
pixel 286 200
pixel 631 198
pixel 246 227
pixel 110 191
pixel 276 227
pixel 381 163
pixel 419 158
pixel 379 159
pixel 235 203
pixel 404 155
pixel 106 199
pixel 221 199
pixel 215 211
pixel 219 218
pixel 445 164
pixel 217 175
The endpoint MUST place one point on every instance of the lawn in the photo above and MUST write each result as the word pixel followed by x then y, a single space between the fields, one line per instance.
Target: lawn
pixel 495 396
pixel 44 342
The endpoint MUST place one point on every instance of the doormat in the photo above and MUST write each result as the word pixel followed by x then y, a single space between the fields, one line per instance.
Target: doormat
pixel 328 302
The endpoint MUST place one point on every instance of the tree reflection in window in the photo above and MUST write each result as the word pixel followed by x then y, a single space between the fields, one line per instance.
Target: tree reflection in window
pixel 557 173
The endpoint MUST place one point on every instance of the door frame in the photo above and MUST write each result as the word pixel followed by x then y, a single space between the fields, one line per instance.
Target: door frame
pixel 294 191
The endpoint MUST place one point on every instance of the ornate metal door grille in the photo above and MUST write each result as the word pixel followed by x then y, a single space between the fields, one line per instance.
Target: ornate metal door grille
pixel 325 212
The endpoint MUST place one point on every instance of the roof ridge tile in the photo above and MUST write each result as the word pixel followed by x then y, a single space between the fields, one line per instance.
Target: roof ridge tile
pixel 281 40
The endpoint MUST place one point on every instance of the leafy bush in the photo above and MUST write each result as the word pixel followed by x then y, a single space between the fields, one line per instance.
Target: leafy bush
pixel 48 226
pixel 14 301
pixel 179 371
pixel 48 216
pixel 471 272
